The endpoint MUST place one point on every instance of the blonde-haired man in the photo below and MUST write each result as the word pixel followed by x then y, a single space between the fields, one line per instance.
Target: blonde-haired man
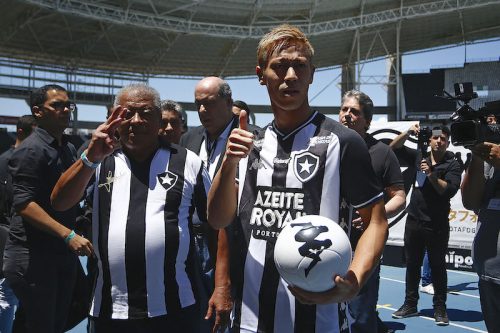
pixel 320 167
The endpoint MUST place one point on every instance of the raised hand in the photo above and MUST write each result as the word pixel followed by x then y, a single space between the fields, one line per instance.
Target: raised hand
pixel 104 140
pixel 240 142
pixel 244 120
pixel 414 129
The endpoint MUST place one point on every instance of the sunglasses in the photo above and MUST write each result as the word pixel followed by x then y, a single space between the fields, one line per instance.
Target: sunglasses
pixel 144 114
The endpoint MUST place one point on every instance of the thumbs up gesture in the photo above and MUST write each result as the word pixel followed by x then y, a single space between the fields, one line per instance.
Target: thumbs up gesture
pixel 244 120
pixel 240 142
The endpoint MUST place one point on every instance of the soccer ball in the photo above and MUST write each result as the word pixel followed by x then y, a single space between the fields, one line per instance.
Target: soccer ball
pixel 310 251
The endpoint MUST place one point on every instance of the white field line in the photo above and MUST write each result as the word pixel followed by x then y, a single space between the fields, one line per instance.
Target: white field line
pixel 449 291
pixel 432 319
pixel 462 272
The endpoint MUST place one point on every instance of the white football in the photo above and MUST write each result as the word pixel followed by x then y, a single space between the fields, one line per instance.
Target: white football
pixel 310 251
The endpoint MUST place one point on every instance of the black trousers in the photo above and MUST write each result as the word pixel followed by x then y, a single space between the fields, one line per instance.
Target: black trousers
pixel 489 293
pixel 43 283
pixel 433 236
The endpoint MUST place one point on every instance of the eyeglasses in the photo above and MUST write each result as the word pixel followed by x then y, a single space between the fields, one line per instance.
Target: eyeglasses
pixel 144 114
pixel 60 106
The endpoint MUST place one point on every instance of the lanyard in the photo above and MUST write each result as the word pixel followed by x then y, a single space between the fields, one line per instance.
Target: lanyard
pixel 210 149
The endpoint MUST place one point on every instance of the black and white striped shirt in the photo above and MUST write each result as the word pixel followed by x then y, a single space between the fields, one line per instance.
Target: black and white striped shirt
pixel 142 233
pixel 319 168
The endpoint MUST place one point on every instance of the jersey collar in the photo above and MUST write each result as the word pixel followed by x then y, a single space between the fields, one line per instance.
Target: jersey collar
pixel 285 136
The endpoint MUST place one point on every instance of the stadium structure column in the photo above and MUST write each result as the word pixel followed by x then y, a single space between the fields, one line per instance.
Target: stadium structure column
pixel 348 79
pixel 392 88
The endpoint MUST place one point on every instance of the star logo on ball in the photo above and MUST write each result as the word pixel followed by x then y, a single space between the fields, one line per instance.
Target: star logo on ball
pixel 167 179
pixel 305 166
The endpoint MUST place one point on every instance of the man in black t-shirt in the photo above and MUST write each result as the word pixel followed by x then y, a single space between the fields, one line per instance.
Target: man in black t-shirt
pixel 356 113
pixel 427 226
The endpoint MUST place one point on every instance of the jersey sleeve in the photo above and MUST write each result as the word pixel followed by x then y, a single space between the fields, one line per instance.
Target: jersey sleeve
pixel 392 172
pixel 359 185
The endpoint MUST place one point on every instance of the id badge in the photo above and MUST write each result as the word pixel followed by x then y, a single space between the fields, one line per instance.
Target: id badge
pixel 494 204
pixel 420 179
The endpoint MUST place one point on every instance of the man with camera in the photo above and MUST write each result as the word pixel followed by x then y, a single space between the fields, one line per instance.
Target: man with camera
pixel 481 193
pixel 437 180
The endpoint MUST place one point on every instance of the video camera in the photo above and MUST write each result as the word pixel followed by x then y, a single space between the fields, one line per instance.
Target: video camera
pixel 469 127
pixel 424 135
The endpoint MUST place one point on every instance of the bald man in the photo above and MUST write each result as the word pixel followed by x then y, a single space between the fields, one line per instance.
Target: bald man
pixel 214 104
pixel 213 99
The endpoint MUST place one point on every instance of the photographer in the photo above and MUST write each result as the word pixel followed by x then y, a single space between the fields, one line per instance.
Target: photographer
pixel 427 226
pixel 482 194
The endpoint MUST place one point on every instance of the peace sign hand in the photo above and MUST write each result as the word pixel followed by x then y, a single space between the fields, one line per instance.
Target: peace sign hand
pixel 104 140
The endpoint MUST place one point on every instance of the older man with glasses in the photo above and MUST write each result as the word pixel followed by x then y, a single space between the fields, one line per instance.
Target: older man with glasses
pixel 144 196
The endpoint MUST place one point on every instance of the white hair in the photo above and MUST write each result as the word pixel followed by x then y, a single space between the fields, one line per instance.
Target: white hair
pixel 143 89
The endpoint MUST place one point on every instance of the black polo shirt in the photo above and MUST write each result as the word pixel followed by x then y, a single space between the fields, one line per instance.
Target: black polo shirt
pixel 35 166
pixel 5 187
pixel 426 204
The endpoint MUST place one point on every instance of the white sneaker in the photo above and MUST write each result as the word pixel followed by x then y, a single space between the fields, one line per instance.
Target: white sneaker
pixel 428 289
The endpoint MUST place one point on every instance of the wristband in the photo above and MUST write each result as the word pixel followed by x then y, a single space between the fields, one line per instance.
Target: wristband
pixel 86 161
pixel 69 237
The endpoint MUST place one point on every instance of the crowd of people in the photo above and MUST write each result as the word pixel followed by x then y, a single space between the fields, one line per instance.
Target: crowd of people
pixel 169 217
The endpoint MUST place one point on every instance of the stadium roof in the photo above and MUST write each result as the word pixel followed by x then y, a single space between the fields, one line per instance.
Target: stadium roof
pixel 219 37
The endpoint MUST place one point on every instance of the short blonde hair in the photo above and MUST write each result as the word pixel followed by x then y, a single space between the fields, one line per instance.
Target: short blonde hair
pixel 280 38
